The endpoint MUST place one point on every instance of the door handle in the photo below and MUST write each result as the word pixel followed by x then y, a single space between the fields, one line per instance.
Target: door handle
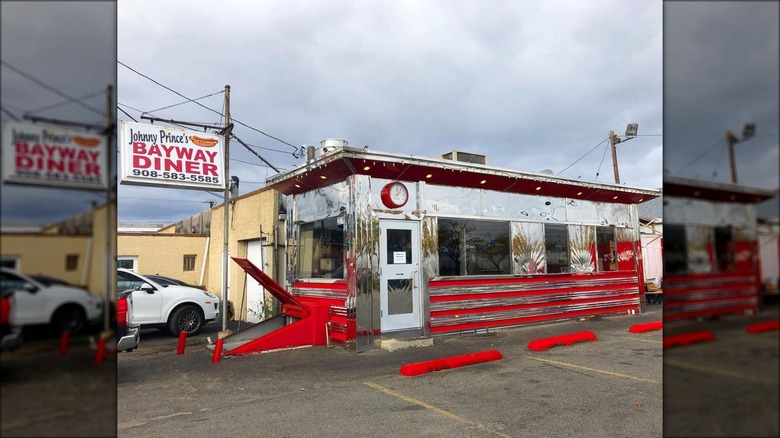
pixel 414 275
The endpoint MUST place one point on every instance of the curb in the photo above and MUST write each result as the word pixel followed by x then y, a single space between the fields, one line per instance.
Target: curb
pixel 417 368
pixel 760 327
pixel 571 338
pixel 646 327
pixel 688 338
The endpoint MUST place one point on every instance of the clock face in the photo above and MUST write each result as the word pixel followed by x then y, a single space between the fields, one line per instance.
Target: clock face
pixel 395 195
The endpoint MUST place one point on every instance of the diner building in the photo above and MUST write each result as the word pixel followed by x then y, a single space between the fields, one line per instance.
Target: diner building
pixel 383 245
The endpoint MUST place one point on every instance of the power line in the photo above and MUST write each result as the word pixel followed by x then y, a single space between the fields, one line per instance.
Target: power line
pixel 125 113
pixel 52 89
pixel 602 162
pixel 210 109
pixel 247 162
pixel 136 109
pixel 182 103
pixel 267 135
pixel 707 151
pixel 63 103
pixel 580 158
pixel 268 149
pixel 10 114
pixel 720 160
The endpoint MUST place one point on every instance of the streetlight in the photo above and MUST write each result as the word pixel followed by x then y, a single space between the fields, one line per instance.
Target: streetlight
pixel 748 131
pixel 631 131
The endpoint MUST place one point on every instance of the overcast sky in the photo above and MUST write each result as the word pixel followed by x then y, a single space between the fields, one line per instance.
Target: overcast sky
pixel 68 46
pixel 721 69
pixel 533 85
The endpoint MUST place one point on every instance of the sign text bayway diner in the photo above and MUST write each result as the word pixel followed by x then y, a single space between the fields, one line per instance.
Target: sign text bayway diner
pixel 38 154
pixel 170 157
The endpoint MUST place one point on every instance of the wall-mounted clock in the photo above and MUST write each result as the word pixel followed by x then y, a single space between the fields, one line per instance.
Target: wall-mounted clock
pixel 394 195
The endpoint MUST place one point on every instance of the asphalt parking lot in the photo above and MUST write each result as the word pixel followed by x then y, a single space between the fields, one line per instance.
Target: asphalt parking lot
pixel 608 387
pixel 727 386
pixel 44 393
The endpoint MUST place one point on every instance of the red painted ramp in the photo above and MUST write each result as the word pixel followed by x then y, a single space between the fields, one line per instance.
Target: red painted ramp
pixel 302 322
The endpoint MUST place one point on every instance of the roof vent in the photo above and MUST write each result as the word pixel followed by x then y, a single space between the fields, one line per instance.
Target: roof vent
pixel 465 157
pixel 330 144
pixel 333 143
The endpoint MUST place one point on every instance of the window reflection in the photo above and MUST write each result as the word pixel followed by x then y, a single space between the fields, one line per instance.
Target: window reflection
pixel 321 249
pixel 472 247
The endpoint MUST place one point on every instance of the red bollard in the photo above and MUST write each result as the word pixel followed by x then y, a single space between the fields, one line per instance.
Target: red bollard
pixel 64 341
pixel 217 351
pixel 182 342
pixel 101 351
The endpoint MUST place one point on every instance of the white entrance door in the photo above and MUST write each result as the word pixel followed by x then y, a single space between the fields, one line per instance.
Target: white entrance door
pixel 399 261
pixel 255 294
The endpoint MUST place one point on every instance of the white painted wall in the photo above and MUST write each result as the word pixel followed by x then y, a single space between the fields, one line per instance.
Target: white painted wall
pixel 255 294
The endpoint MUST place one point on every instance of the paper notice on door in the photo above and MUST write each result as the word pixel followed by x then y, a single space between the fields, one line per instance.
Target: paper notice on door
pixel 399 257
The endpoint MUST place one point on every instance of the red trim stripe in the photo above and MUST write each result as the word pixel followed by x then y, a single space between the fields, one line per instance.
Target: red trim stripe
pixel 527 319
pixel 491 309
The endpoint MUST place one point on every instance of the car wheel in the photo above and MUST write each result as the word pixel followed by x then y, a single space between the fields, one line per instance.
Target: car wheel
pixel 185 319
pixel 70 318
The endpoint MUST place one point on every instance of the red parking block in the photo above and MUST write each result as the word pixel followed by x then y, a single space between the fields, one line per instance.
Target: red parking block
pixel 688 338
pixel 646 327
pixel 571 338
pixel 760 327
pixel 417 368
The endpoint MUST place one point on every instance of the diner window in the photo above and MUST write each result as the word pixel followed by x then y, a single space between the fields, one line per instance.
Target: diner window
pixel 473 247
pixel 675 249
pixel 321 249
pixel 71 262
pixel 724 249
pixel 556 243
pixel 189 262
pixel 606 249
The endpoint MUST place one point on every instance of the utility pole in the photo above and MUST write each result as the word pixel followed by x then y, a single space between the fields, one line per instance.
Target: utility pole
pixel 748 131
pixel 225 233
pixel 614 140
pixel 732 139
pixel 110 272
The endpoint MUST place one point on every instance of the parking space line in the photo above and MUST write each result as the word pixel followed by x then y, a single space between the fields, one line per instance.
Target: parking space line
pixel 641 340
pixel 595 370
pixel 717 371
pixel 763 341
pixel 142 421
pixel 440 411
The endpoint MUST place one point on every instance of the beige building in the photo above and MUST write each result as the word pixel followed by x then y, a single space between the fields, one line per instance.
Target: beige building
pixel 191 250
pixel 72 250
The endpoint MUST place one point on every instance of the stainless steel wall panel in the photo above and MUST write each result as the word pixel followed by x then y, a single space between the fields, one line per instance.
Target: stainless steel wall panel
pixel 452 201
pixel 556 311
pixel 517 207
pixel 364 255
pixel 321 203
pixel 377 184
pixel 459 304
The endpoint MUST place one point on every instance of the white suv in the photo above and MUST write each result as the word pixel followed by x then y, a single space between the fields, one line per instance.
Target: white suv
pixel 62 306
pixel 172 307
